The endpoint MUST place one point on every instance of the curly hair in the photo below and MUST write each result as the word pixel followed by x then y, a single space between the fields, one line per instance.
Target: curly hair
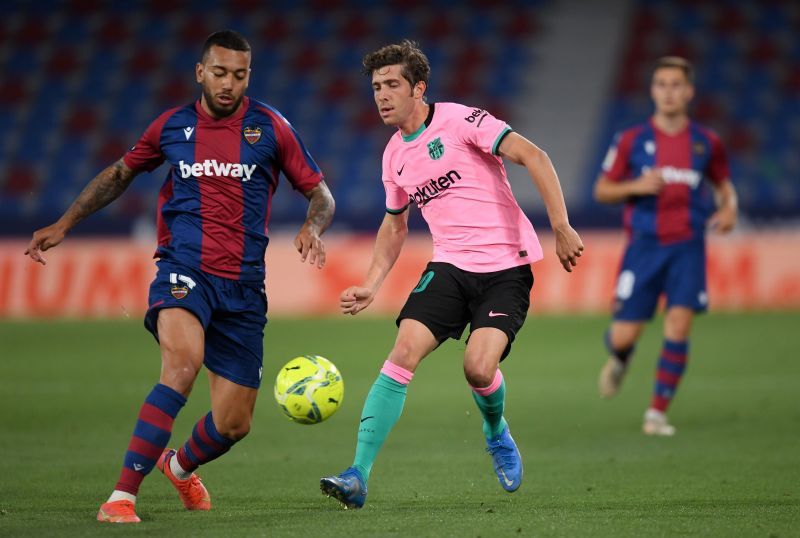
pixel 415 64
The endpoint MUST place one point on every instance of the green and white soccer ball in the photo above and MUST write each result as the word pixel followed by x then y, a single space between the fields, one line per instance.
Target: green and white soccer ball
pixel 309 389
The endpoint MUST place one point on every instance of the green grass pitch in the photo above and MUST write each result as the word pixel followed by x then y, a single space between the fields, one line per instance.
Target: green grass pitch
pixel 70 391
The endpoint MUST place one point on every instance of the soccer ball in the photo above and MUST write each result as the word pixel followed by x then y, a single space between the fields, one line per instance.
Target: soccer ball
pixel 309 389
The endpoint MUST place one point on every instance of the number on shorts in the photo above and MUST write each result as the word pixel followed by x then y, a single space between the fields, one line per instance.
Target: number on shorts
pixel 625 284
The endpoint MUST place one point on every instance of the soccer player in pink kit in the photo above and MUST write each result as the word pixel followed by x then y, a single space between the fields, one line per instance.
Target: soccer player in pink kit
pixel 207 305
pixel 666 171
pixel 446 159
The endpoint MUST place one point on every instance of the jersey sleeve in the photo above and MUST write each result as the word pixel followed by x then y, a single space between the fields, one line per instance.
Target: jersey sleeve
pixel 718 169
pixel 480 129
pixel 615 165
pixel 396 197
pixel 146 155
pixel 295 160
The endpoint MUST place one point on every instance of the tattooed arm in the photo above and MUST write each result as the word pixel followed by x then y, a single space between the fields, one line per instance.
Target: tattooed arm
pixel 320 213
pixel 106 187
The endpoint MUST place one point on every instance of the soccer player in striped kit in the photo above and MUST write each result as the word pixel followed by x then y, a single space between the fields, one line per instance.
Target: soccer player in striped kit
pixel 669 172
pixel 207 304
pixel 447 159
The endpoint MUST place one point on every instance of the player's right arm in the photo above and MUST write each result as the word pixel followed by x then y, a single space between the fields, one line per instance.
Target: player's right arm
pixel 106 187
pixel 616 183
pixel 610 191
pixel 388 244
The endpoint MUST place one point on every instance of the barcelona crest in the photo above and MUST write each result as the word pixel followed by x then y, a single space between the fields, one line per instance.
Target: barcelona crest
pixel 435 148
pixel 179 292
pixel 252 134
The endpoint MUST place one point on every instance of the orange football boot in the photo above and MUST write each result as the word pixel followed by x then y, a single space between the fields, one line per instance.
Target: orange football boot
pixel 193 493
pixel 118 512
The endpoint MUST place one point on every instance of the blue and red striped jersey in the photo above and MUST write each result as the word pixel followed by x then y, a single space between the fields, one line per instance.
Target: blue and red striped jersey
pixel 686 159
pixel 213 208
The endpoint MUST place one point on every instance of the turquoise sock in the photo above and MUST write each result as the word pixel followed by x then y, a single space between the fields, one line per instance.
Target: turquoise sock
pixel 491 407
pixel 382 408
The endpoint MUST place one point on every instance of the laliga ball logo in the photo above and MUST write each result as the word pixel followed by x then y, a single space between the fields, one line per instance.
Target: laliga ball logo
pixel 309 389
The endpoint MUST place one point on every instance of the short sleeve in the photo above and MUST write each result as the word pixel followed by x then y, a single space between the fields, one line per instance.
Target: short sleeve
pixel 295 160
pixel 480 129
pixel 615 164
pixel 718 170
pixel 146 155
pixel 396 197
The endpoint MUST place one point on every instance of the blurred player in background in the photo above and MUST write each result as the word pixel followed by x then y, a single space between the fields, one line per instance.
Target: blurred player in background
pixel 661 170
pixel 207 304
pixel 446 158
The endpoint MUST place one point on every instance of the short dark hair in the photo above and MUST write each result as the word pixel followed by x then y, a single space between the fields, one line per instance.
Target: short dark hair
pixel 677 62
pixel 415 64
pixel 227 39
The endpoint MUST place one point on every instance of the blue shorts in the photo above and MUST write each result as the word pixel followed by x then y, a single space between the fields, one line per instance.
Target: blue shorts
pixel 649 269
pixel 233 314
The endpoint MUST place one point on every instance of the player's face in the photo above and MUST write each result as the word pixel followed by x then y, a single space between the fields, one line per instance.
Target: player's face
pixel 671 91
pixel 224 75
pixel 393 94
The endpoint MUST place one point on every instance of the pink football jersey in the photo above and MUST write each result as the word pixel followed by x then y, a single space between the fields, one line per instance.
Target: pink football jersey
pixel 450 169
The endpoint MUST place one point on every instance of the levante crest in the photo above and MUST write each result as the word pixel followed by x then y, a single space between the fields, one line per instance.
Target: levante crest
pixel 252 134
pixel 435 148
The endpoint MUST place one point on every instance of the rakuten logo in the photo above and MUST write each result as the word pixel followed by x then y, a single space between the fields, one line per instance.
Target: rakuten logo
pixel 210 167
pixel 433 188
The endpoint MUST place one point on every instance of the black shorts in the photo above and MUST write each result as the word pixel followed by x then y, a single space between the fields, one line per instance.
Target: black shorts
pixel 447 298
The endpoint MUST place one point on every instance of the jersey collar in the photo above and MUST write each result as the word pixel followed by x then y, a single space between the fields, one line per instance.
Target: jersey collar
pixel 413 136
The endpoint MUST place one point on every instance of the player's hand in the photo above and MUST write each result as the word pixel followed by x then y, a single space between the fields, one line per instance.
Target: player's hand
pixel 649 183
pixel 355 299
pixel 723 220
pixel 569 246
pixel 44 239
pixel 310 246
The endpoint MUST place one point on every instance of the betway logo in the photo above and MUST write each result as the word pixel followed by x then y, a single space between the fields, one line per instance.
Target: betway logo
pixel 684 176
pixel 210 167
pixel 433 188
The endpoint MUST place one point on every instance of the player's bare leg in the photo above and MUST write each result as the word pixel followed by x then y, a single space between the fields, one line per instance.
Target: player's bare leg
pixel 481 360
pixel 671 364
pixel 181 339
pixel 621 339
pixel 382 409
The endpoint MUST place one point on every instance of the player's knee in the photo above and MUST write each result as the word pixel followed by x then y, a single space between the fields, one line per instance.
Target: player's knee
pixel 479 374
pixel 234 430
pixel 403 354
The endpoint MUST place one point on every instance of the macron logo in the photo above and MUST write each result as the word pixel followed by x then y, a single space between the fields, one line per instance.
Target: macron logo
pixel 210 167
pixel 188 132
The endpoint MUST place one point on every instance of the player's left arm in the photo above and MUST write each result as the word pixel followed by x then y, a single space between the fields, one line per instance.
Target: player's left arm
pixel 321 207
pixel 522 151
pixel 724 218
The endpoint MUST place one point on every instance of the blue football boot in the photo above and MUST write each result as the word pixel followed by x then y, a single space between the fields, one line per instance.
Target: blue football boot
pixel 349 488
pixel 507 461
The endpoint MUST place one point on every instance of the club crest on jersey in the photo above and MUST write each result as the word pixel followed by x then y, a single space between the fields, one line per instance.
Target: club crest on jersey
pixel 252 134
pixel 435 148
pixel 179 292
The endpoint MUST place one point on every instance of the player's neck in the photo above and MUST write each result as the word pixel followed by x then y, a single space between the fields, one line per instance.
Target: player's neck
pixel 415 120
pixel 670 123
pixel 207 110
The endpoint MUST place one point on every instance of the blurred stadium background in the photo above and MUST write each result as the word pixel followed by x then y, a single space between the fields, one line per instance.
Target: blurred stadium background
pixel 81 79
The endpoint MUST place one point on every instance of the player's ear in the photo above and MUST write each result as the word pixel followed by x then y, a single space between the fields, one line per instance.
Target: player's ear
pixel 419 89
pixel 198 72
